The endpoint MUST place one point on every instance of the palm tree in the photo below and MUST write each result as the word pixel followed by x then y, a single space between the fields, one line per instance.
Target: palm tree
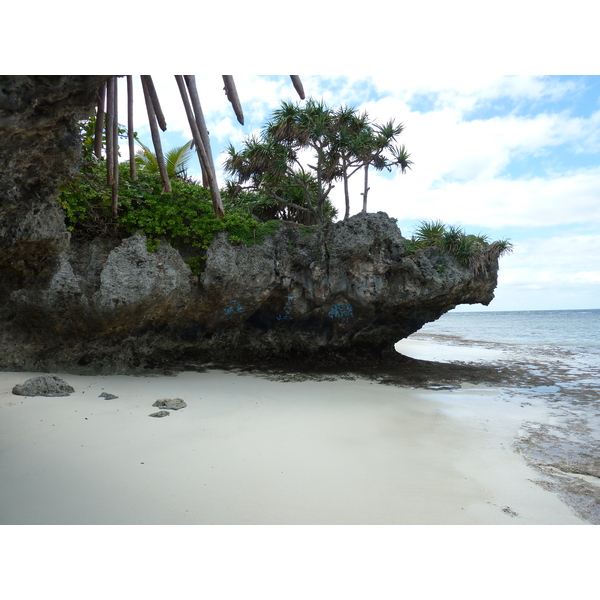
pixel 398 156
pixel 341 143
pixel 176 160
pixel 343 140
pixel 360 143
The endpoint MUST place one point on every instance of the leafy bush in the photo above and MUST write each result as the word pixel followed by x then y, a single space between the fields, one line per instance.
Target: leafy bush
pixel 267 208
pixel 87 203
pixel 186 216
pixel 183 216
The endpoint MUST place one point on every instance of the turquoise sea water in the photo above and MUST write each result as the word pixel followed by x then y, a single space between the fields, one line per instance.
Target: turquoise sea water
pixel 574 329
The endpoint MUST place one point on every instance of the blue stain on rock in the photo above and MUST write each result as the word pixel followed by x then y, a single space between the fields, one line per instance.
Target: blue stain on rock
pixel 287 309
pixel 234 308
pixel 343 310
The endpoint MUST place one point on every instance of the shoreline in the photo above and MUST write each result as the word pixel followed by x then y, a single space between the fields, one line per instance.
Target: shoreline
pixel 249 449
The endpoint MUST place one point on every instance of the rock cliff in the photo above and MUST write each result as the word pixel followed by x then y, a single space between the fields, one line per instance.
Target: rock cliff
pixel 344 293
pixel 39 150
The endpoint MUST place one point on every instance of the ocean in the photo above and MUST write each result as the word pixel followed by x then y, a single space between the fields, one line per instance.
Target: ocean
pixel 562 349
pixel 573 329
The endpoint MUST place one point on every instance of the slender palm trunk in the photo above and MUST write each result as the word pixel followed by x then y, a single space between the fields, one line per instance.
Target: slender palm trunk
pixel 232 96
pixel 298 86
pixel 156 137
pixel 320 194
pixel 200 150
pixel 112 138
pixel 130 130
pixel 115 154
pixel 99 121
pixel 160 117
pixel 110 117
pixel 346 195
pixel 367 188
pixel 200 134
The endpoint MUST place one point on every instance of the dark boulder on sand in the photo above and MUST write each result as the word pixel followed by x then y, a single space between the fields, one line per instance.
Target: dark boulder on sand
pixel 44 385
pixel 170 403
pixel 160 414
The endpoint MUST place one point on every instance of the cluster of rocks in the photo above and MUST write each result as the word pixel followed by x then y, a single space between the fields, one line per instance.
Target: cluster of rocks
pixel 53 386
pixel 167 403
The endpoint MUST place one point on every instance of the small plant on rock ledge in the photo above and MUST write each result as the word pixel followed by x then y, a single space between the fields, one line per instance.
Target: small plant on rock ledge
pixel 472 251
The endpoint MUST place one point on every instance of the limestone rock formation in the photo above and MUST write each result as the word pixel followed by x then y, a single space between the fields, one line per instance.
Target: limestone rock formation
pixel 40 148
pixel 346 292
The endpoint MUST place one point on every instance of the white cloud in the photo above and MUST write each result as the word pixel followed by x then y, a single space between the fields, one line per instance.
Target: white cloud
pixel 560 272
pixel 496 203
pixel 466 92
pixel 226 131
pixel 461 168
pixel 560 265
pixel 443 144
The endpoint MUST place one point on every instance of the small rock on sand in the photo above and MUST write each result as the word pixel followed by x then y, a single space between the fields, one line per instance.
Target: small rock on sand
pixel 170 403
pixel 44 385
pixel 107 396
pixel 160 413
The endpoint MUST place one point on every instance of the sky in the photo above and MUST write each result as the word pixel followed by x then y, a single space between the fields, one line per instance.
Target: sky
pixel 514 157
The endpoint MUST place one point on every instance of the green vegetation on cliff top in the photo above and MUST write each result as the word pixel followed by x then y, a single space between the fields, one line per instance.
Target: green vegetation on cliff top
pixel 185 216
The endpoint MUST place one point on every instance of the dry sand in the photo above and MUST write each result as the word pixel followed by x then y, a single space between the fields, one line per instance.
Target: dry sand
pixel 248 450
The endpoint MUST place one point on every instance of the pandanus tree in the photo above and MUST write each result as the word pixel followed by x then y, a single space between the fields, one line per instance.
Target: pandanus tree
pixel 274 163
pixel 361 144
pixel 310 148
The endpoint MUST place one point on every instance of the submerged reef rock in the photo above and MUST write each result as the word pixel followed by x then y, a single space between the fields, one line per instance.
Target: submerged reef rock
pixel 342 293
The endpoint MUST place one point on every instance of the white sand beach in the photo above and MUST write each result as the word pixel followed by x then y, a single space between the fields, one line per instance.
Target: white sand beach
pixel 247 450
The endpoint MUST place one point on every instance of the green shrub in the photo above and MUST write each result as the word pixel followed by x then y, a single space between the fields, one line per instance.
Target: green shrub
pixel 429 232
pixel 183 216
pixel 196 263
pixel 262 207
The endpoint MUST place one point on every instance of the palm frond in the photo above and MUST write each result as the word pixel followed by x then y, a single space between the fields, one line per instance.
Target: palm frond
pixel 177 159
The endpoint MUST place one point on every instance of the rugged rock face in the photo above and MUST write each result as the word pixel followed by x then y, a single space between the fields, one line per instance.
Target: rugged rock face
pixel 345 293
pixel 39 150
